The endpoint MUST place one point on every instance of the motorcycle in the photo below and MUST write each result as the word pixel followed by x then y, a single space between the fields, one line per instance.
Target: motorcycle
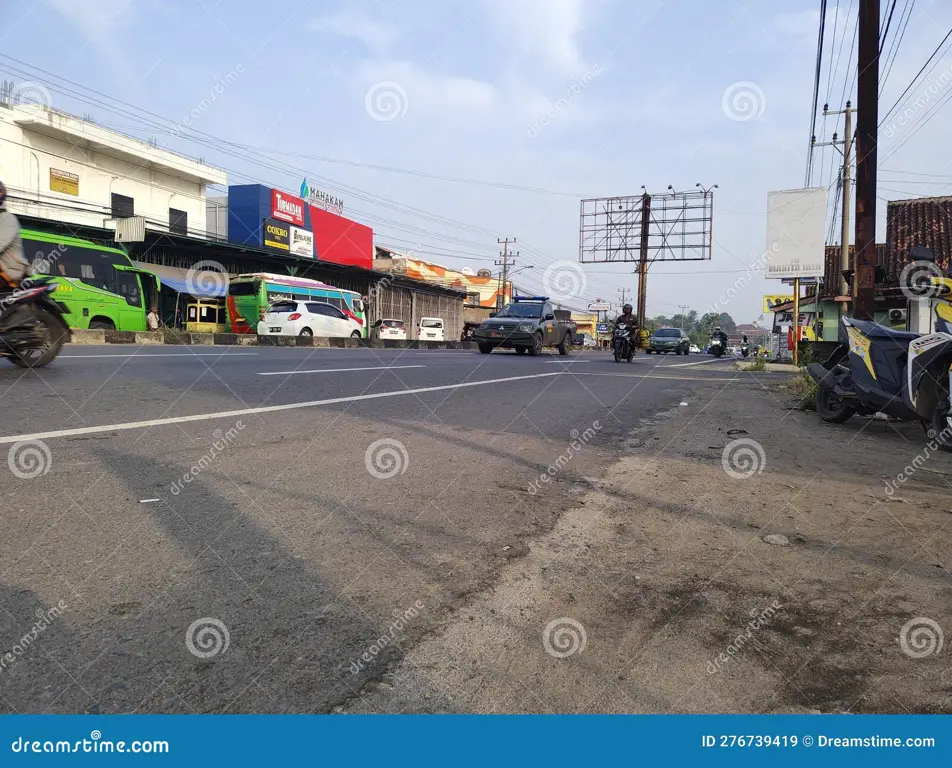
pixel 876 369
pixel 622 343
pixel 33 327
pixel 745 349
pixel 716 348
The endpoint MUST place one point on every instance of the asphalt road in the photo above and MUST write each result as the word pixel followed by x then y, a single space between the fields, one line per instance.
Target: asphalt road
pixel 232 530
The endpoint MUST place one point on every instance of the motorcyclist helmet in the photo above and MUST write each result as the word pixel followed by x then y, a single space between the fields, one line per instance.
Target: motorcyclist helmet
pixel 626 310
pixel 717 329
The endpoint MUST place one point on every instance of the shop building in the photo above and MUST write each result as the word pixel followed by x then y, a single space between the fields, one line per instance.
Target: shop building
pixel 63 168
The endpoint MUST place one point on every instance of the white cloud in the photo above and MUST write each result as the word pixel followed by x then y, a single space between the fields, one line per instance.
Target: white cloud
pixel 356 25
pixel 543 29
pixel 429 92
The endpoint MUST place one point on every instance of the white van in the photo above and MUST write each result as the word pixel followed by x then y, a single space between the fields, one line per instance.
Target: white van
pixel 431 329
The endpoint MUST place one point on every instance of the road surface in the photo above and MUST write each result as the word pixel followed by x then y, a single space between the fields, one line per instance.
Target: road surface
pixel 233 530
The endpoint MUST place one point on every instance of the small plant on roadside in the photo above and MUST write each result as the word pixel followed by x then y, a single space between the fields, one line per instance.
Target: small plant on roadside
pixel 759 364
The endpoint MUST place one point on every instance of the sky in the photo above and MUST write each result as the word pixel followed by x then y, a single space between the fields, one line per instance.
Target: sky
pixel 500 115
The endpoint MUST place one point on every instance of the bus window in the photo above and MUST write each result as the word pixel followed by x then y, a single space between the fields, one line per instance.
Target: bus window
pixel 127 286
pixel 244 288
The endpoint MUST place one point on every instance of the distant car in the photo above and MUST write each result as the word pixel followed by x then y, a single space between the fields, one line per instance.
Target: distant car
pixel 695 349
pixel 307 318
pixel 389 329
pixel 666 340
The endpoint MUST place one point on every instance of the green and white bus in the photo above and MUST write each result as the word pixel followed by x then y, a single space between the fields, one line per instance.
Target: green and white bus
pixel 100 286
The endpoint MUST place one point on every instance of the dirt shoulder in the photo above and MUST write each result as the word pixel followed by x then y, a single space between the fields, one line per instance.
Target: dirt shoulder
pixel 660 594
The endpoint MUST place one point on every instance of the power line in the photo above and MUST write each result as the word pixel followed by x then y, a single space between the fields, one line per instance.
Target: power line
pixel 894 50
pixel 816 92
pixel 915 79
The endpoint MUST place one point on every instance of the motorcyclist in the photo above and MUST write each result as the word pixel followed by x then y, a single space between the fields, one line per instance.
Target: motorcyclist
pixel 720 336
pixel 627 318
pixel 13 264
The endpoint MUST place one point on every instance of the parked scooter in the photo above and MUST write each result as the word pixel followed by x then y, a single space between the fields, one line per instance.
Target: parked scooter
pixel 32 327
pixel 899 373
pixel 622 344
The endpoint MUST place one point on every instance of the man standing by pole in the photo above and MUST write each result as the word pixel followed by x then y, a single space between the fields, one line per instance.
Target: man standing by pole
pixel 867 120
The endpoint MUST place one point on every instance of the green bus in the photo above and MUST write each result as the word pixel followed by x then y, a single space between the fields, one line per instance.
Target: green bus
pixel 249 297
pixel 99 285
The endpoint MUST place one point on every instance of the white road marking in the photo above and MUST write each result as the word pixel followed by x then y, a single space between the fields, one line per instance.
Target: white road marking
pixel 563 362
pixel 342 370
pixel 262 409
pixel 148 501
pixel 736 377
pixel 699 362
pixel 167 354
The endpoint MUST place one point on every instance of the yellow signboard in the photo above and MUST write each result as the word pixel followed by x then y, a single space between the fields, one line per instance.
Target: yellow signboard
pixel 772 301
pixel 64 182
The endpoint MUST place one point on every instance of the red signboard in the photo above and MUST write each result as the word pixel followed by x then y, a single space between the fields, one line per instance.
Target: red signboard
pixel 287 207
pixel 341 240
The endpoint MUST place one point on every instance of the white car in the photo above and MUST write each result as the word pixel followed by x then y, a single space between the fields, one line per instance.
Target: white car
pixel 389 329
pixel 431 329
pixel 695 349
pixel 307 318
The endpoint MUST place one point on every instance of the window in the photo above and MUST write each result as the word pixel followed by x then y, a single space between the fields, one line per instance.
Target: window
pixel 668 333
pixel 244 288
pixel 127 286
pixel 87 264
pixel 428 322
pixel 399 324
pixel 122 207
pixel 328 310
pixel 313 308
pixel 283 307
pixel 178 221
pixel 473 298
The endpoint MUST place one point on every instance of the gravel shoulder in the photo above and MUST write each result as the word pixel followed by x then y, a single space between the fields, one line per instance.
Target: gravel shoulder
pixel 659 592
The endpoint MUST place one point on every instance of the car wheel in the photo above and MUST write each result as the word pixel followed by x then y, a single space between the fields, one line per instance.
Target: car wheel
pixel 677 352
pixel 306 332
pixel 485 348
pixel 356 335
pixel 564 345
pixel 536 349
pixel 520 350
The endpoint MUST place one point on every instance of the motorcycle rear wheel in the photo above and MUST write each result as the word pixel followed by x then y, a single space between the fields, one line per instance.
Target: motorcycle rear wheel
pixel 831 408
pixel 55 333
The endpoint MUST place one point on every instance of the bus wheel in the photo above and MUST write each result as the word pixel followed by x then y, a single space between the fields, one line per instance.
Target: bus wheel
pixel 101 325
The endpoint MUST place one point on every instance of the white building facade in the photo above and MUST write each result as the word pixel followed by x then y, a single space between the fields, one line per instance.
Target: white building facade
pixel 61 167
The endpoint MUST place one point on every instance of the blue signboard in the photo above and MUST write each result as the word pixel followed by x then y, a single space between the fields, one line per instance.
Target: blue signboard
pixel 602 327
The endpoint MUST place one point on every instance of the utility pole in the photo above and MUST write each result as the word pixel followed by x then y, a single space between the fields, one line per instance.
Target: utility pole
pixel 867 120
pixel 624 295
pixel 507 261
pixel 846 179
pixel 643 258
pixel 682 307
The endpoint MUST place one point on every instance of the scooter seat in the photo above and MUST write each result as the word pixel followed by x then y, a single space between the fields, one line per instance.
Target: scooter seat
pixel 877 331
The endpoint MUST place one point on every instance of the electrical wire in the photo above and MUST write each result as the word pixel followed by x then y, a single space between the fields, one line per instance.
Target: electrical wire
pixel 816 92
pixel 915 79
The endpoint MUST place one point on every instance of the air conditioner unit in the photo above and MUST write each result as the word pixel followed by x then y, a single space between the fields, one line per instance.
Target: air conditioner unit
pixel 897 315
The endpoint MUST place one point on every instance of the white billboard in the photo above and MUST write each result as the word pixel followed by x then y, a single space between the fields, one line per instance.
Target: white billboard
pixel 796 232
pixel 302 242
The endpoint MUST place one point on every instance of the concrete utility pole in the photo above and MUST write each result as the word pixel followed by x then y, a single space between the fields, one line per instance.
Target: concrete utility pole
pixel 624 295
pixel 507 260
pixel 867 120
pixel 643 258
pixel 846 179
pixel 682 307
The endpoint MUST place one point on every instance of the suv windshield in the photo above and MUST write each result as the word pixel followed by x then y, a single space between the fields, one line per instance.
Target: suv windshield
pixel 431 323
pixel 668 333
pixel 393 324
pixel 521 310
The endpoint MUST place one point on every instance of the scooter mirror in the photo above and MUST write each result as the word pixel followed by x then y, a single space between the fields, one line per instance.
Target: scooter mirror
pixel 920 253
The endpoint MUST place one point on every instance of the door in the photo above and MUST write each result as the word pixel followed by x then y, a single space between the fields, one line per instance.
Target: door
pixel 319 319
pixel 548 326
pixel 131 314
pixel 341 324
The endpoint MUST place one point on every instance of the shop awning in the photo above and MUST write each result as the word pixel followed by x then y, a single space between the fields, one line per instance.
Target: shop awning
pixel 192 282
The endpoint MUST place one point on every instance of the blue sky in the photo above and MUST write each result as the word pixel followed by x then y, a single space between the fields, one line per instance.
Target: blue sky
pixel 582 98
